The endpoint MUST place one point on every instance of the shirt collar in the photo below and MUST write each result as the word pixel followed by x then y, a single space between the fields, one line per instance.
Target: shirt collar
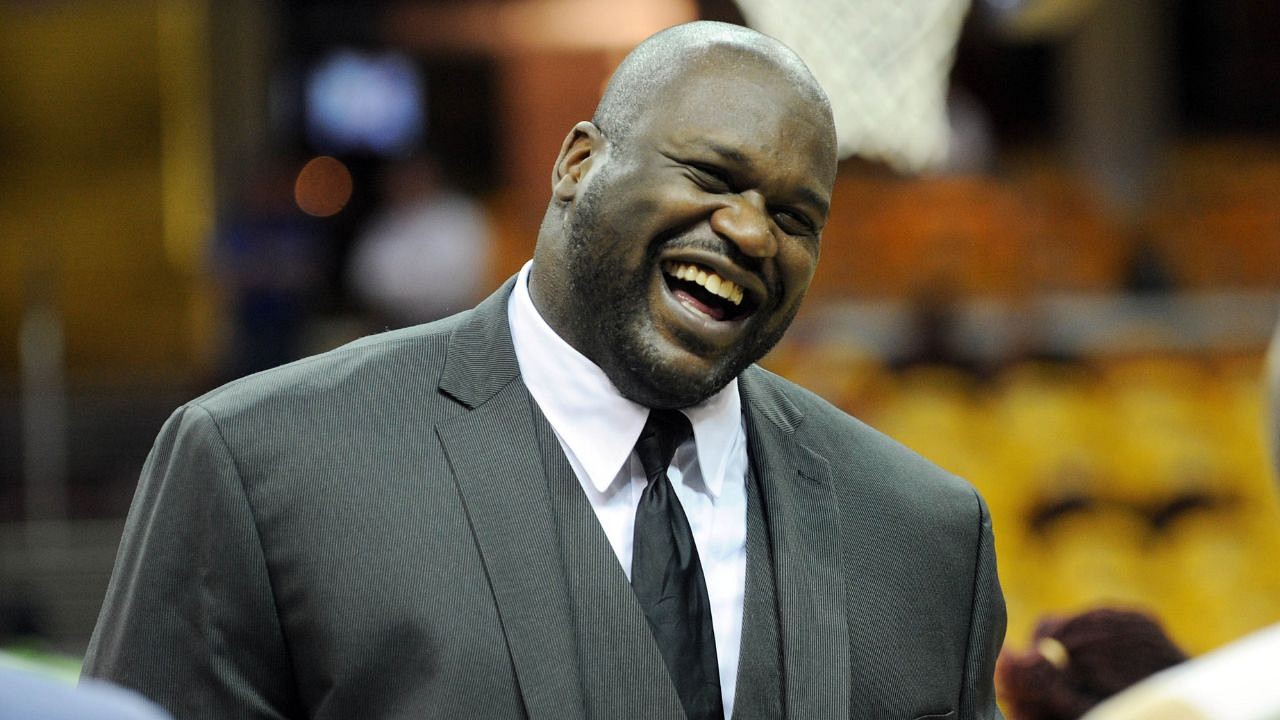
pixel 594 422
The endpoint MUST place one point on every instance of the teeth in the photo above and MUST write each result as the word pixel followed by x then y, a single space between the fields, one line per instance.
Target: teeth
pixel 714 284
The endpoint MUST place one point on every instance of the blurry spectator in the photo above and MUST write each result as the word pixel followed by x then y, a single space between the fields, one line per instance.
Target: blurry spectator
pixel 1236 682
pixel 270 258
pixel 1147 270
pixel 424 255
pixel 1077 662
pixel 935 330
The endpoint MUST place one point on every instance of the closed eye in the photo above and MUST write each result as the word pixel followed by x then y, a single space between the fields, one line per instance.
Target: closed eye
pixel 712 179
pixel 793 222
pixel 715 179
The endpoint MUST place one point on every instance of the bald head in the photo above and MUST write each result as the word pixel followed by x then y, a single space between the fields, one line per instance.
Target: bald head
pixel 673 53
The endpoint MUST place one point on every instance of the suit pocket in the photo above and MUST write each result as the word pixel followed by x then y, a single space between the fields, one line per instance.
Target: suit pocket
pixel 936 716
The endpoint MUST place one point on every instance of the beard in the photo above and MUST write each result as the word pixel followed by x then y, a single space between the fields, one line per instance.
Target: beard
pixel 615 321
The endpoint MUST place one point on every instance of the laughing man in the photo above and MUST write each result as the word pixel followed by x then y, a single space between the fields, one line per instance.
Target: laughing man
pixel 581 498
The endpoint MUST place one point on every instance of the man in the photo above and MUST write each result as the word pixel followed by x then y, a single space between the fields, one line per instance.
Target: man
pixel 1235 682
pixel 449 520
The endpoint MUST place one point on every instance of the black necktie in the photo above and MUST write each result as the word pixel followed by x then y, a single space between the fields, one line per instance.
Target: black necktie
pixel 667 576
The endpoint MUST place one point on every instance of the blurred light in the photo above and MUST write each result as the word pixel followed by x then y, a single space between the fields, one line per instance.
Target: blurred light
pixel 365 102
pixel 323 186
pixel 1029 19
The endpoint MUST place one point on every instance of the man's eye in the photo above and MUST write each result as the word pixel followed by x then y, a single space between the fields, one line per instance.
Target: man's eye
pixel 792 222
pixel 709 178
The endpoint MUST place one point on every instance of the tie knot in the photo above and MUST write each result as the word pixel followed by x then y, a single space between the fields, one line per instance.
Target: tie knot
pixel 663 432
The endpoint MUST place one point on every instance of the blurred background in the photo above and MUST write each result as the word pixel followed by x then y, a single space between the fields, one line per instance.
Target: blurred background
pixel 1067 303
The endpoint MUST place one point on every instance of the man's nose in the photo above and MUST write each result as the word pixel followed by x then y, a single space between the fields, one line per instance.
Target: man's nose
pixel 744 221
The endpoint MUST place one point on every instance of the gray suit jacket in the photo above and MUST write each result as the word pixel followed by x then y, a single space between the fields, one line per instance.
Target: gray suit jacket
pixel 369 533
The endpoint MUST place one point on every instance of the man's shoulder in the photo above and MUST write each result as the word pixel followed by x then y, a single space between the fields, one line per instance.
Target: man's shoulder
pixel 386 362
pixel 813 417
pixel 856 452
pixel 807 406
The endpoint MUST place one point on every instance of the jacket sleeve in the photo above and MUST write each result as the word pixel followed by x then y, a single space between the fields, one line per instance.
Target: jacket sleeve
pixel 189 618
pixel 986 628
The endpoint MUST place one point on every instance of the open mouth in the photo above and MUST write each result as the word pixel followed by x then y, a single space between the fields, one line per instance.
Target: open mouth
pixel 701 289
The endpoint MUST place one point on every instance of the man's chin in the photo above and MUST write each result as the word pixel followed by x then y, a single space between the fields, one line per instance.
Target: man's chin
pixel 673 379
pixel 678 392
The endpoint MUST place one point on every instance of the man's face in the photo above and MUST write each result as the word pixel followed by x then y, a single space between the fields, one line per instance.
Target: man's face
pixel 692 243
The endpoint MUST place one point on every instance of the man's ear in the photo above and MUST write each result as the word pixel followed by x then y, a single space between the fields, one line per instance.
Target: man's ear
pixel 580 148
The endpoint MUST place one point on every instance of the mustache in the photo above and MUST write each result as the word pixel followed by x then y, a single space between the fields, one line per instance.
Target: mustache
pixel 683 240
pixel 676 240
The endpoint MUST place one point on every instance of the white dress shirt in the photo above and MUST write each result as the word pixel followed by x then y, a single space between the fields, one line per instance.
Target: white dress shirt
pixel 597 428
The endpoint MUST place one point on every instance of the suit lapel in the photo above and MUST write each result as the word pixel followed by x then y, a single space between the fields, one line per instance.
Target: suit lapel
pixel 800 508
pixel 493 452
pixel 759 692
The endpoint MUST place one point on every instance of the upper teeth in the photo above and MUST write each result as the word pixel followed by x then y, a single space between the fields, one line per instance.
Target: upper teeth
pixel 714 284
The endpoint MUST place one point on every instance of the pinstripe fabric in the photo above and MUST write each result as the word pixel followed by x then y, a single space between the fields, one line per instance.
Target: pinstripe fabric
pixel 509 511
pixel 759 693
pixel 800 507
pixel 977 698
pixel 366 533
pixel 925 616
pixel 623 672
